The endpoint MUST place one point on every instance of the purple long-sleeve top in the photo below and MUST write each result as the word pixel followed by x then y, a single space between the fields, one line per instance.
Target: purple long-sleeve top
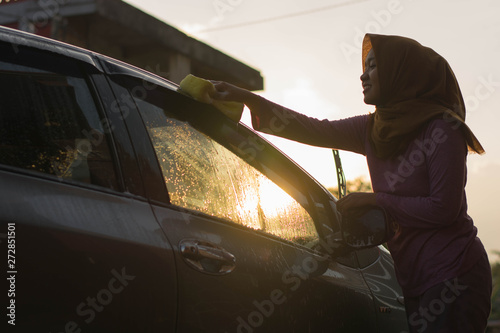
pixel 422 190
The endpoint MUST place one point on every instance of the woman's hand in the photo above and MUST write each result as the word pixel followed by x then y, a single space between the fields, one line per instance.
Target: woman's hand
pixel 356 200
pixel 227 92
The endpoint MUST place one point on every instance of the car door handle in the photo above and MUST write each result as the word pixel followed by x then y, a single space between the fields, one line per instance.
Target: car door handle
pixel 207 257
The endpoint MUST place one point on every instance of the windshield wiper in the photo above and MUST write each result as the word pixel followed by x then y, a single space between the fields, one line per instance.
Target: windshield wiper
pixel 342 187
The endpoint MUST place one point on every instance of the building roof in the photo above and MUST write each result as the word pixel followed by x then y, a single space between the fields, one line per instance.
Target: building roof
pixel 118 29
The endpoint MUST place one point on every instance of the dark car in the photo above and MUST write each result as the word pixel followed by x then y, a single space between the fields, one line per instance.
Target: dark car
pixel 126 206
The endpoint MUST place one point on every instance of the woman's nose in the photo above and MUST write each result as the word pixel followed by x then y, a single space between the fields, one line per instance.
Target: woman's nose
pixel 363 76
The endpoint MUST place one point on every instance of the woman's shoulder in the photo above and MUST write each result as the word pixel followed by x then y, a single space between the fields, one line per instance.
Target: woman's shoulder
pixel 443 130
pixel 444 125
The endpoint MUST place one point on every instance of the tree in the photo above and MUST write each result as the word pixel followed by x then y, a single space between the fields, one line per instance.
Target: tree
pixel 495 296
pixel 359 184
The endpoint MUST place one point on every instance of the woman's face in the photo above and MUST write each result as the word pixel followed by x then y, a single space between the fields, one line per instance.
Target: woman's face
pixel 369 80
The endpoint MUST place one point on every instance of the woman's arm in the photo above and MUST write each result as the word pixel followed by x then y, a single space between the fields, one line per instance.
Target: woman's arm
pixel 271 118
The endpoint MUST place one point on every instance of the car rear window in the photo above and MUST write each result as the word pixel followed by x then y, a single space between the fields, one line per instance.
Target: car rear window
pixel 49 122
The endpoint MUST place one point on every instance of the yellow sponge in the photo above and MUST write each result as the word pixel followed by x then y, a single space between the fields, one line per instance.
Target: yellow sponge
pixel 200 90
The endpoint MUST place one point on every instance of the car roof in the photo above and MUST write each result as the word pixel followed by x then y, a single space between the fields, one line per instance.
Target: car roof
pixel 101 62
pixel 21 38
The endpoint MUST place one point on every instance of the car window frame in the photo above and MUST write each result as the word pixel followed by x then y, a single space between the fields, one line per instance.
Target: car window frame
pixel 157 191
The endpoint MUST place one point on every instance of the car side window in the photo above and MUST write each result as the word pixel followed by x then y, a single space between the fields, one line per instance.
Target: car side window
pixel 203 175
pixel 49 121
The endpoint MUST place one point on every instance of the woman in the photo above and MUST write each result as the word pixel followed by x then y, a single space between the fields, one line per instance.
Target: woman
pixel 416 146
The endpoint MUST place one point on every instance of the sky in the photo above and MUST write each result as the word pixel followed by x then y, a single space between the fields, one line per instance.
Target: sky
pixel 309 53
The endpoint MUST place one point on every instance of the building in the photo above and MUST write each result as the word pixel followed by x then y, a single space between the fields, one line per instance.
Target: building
pixel 121 31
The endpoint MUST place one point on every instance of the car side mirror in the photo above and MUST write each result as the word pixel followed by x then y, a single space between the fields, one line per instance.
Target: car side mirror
pixel 365 227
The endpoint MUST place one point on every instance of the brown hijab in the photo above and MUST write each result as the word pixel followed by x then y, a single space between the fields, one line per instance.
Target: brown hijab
pixel 416 86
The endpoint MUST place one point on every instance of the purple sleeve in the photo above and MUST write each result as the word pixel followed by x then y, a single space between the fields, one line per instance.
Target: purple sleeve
pixel 445 201
pixel 345 134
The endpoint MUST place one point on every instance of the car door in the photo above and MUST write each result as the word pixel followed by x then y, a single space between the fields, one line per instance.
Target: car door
pixel 244 221
pixel 86 254
pixel 378 271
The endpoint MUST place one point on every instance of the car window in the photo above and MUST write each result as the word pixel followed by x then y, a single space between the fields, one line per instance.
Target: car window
pixel 49 121
pixel 203 175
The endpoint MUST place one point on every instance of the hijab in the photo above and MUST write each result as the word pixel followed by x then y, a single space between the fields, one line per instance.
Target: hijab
pixel 416 86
